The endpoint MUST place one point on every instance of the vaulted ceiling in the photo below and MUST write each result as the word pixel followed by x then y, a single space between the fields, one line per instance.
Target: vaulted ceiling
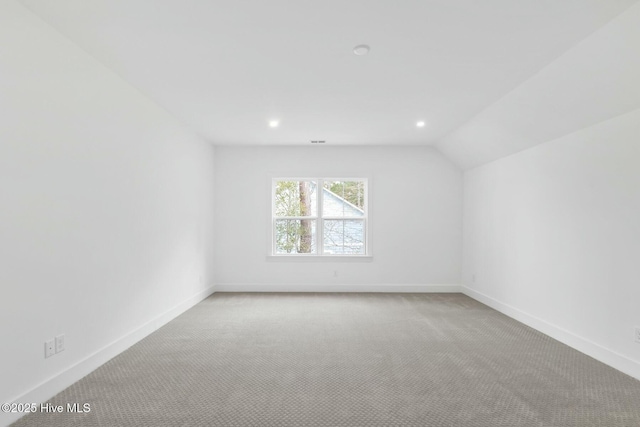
pixel 487 77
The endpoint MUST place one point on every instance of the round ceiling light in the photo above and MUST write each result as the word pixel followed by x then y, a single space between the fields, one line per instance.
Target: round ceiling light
pixel 421 124
pixel 273 123
pixel 361 49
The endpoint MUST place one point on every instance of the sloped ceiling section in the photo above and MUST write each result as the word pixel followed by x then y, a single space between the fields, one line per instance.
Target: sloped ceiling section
pixel 596 80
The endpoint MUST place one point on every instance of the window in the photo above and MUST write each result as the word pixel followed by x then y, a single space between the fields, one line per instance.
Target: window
pixel 319 216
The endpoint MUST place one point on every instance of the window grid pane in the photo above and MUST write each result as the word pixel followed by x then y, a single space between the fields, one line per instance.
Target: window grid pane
pixel 295 198
pixel 295 236
pixel 344 237
pixel 343 199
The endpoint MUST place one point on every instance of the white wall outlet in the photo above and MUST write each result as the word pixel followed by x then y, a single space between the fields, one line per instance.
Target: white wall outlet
pixel 49 348
pixel 637 334
pixel 59 343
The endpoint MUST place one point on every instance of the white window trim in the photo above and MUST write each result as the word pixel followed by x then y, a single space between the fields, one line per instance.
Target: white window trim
pixel 272 255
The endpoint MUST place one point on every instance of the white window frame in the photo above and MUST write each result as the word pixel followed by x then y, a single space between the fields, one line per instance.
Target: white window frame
pixel 319 219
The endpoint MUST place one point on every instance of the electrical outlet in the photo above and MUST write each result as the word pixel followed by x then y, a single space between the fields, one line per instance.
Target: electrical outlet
pixel 637 334
pixel 49 348
pixel 59 343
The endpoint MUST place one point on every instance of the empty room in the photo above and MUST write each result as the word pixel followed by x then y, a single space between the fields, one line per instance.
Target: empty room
pixel 338 213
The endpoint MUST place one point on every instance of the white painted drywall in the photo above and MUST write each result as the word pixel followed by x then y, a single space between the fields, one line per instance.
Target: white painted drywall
pixel 415 211
pixel 552 235
pixel 594 81
pixel 106 207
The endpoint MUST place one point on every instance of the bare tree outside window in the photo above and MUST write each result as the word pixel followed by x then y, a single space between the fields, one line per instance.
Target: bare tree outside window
pixel 295 231
pixel 305 224
pixel 319 216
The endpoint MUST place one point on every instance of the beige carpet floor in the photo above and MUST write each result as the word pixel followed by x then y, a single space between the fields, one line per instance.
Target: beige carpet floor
pixel 351 360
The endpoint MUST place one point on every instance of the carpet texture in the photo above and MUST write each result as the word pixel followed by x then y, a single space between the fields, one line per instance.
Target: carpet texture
pixel 348 360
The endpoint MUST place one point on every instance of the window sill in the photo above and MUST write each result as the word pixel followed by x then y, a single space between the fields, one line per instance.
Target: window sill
pixel 319 258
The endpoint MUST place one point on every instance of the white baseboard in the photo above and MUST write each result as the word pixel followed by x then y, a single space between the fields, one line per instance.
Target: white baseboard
pixel 52 386
pixel 598 352
pixel 391 288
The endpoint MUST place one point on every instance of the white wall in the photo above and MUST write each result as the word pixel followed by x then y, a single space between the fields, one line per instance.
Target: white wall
pixel 552 235
pixel 415 210
pixel 106 207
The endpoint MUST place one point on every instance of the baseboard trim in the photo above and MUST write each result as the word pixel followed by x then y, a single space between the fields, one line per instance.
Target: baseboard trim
pixel 55 384
pixel 583 345
pixel 390 288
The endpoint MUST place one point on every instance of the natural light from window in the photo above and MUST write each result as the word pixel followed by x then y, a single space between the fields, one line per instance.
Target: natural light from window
pixel 319 216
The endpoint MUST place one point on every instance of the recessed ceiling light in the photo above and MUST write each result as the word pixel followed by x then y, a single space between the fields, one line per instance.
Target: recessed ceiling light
pixel 421 124
pixel 273 123
pixel 361 49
